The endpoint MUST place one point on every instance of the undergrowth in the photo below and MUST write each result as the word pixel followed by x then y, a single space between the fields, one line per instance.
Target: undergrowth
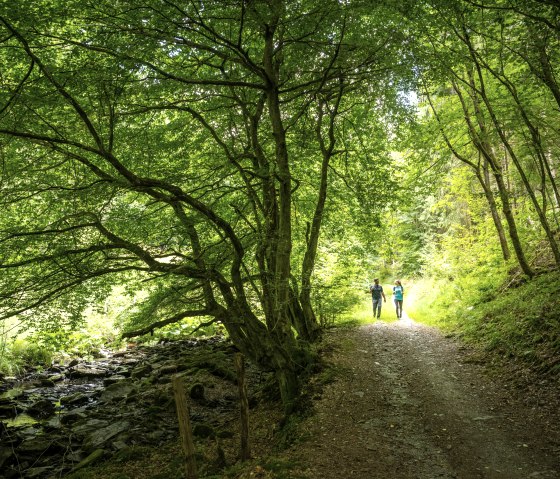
pixel 519 323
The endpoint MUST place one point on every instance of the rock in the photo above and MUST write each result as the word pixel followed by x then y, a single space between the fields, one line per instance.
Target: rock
pixel 115 378
pixel 101 436
pixel 53 424
pixel 85 372
pixel 102 409
pixel 38 472
pixel 8 410
pixel 74 399
pixel 47 383
pixel 119 445
pixel 70 417
pixel 171 368
pixel 196 392
pixel 5 454
pixel 117 391
pixel 11 394
pixel 93 457
pixel 120 354
pixel 89 426
pixel 41 409
pixel 55 378
pixel 141 371
pixel 122 371
pixel 38 444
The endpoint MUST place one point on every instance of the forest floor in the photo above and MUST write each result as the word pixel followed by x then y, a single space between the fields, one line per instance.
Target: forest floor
pixel 410 403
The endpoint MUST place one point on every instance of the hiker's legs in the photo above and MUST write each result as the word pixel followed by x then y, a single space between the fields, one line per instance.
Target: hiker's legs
pixel 376 308
pixel 398 307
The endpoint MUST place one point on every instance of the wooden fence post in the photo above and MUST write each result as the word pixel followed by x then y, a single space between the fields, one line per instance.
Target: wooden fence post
pixel 244 406
pixel 185 427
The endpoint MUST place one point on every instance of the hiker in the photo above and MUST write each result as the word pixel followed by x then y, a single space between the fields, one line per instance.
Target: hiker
pixel 377 293
pixel 398 292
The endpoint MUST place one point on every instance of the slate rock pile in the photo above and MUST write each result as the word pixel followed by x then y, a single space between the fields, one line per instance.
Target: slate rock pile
pixel 57 420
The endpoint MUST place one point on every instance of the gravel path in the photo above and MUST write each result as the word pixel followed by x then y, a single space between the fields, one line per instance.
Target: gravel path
pixel 409 405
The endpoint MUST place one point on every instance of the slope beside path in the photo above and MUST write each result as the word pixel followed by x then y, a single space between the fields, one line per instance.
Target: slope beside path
pixel 408 404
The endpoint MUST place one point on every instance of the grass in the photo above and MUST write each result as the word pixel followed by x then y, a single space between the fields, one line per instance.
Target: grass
pixel 521 324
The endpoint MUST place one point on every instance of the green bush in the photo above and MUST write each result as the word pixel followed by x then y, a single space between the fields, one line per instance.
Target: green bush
pixel 16 355
pixel 30 352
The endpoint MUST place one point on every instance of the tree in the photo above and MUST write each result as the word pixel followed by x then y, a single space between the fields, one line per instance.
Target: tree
pixel 485 86
pixel 158 142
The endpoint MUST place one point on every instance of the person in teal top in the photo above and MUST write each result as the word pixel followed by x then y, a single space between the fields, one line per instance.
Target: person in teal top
pixel 398 292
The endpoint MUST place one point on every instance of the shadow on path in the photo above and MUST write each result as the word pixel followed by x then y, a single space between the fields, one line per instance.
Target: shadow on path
pixel 407 405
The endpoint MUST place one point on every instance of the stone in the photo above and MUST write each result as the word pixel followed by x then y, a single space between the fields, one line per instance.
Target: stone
pixel 55 378
pixel 38 444
pixel 70 417
pixel 39 472
pixel 47 383
pixel 118 391
pixel 89 426
pixel 85 372
pixel 41 409
pixel 8 410
pixel 141 371
pixel 73 399
pixel 11 394
pixel 93 457
pixel 101 436
pixel 115 378
pixel 5 454
pixel 196 392
pixel 171 368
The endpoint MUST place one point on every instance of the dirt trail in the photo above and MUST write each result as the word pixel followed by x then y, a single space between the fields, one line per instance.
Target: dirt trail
pixel 409 406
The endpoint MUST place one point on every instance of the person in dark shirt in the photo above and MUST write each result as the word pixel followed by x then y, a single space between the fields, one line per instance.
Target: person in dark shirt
pixel 377 297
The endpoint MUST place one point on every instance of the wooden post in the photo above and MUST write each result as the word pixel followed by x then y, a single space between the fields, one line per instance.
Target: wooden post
pixel 244 406
pixel 185 427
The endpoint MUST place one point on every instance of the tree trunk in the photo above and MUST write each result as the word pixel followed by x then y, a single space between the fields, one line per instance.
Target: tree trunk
pixel 314 229
pixel 269 349
pixel 485 182
pixel 304 322
pixel 503 137
pixel 512 227
pixel 485 148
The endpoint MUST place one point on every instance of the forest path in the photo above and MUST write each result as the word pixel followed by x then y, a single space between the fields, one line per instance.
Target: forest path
pixel 408 404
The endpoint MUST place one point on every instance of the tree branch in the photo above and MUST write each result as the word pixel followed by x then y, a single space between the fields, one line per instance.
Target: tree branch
pixel 173 319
